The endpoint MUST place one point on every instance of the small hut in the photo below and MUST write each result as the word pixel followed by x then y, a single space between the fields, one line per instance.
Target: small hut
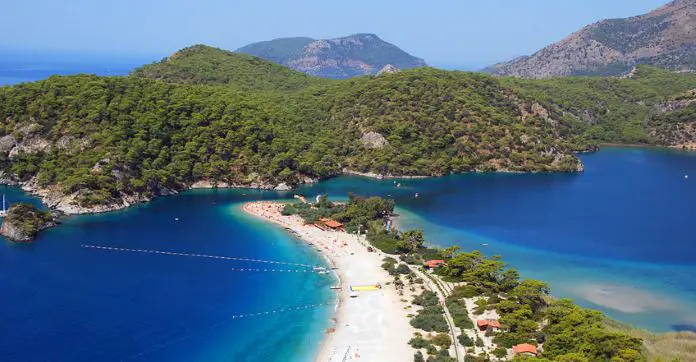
pixel 432 264
pixel 484 324
pixel 332 224
pixel 525 349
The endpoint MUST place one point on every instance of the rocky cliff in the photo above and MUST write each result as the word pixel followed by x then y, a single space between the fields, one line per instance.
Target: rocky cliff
pixel 24 221
pixel 665 37
pixel 346 57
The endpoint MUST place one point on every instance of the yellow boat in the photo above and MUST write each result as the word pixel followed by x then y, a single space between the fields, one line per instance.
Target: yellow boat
pixel 364 288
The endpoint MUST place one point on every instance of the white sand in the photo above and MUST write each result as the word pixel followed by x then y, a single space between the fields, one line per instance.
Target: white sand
pixel 371 327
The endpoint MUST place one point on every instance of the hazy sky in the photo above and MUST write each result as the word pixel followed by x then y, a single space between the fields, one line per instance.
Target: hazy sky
pixel 462 33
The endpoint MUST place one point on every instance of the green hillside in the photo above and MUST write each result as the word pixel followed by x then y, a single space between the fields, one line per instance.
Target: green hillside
pixel 201 64
pixel 205 114
pixel 613 110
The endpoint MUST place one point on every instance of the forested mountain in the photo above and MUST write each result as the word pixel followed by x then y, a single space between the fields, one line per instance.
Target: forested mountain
pixel 200 64
pixel 207 116
pixel 665 37
pixel 346 57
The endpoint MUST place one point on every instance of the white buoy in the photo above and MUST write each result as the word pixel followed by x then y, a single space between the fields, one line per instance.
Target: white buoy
pixel 686 176
pixel 416 195
pixel 176 219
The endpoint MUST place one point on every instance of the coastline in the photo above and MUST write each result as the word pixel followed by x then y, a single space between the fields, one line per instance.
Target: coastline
pixel 372 326
pixel 54 198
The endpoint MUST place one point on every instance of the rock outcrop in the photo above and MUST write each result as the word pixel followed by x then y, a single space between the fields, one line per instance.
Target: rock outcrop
pixel 373 140
pixel 24 221
pixel 665 37
pixel 387 69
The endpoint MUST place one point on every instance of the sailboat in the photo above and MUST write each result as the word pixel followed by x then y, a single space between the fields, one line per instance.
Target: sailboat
pixel 3 212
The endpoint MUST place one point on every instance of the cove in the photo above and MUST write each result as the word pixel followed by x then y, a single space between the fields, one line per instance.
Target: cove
pixel 617 238
pixel 62 301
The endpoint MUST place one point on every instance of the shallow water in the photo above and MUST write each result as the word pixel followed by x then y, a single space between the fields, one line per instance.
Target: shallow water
pixel 617 238
pixel 84 304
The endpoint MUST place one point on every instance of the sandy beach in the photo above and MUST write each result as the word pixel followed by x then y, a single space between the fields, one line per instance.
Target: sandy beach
pixel 370 327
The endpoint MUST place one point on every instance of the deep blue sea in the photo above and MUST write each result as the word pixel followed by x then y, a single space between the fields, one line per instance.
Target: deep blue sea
pixel 64 302
pixel 29 66
pixel 618 238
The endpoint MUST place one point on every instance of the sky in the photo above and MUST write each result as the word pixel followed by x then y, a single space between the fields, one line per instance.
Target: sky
pixel 461 34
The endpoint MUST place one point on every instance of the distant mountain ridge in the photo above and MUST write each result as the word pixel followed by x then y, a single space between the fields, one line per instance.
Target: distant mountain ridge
pixel 665 37
pixel 350 56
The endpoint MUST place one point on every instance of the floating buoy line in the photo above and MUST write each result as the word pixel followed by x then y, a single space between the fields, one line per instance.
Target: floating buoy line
pixel 233 318
pixel 161 252
pixel 279 270
pixel 306 268
pixel 282 310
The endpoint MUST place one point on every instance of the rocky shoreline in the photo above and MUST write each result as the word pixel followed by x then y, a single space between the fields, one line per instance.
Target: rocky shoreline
pixel 56 200
pixel 23 222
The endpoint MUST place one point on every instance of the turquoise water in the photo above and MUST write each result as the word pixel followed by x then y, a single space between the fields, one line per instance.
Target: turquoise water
pixel 618 238
pixel 63 302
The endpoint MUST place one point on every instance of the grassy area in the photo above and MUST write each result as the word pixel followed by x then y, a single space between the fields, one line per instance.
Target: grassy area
pixel 662 347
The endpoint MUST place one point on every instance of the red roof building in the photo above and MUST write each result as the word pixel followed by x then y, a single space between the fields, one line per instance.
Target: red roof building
pixel 525 348
pixel 331 223
pixel 432 264
pixel 483 324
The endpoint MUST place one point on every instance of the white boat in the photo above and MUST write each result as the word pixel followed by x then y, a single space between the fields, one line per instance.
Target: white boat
pixel 3 212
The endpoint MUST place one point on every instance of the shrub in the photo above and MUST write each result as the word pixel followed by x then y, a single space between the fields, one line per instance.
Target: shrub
pixel 418 342
pixel 478 342
pixel 466 291
pixel 403 269
pixel 459 313
pixel 412 259
pixel 465 340
pixel 508 340
pixel 500 352
pixel 418 357
pixel 430 320
pixel 442 340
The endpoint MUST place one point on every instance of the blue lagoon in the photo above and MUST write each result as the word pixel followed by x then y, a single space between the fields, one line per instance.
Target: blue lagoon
pixel 617 238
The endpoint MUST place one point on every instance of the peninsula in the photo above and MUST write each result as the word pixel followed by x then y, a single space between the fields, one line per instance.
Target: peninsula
pixel 441 303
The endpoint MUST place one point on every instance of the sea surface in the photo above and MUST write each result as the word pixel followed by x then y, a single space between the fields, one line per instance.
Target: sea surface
pixel 62 301
pixel 26 66
pixel 618 237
